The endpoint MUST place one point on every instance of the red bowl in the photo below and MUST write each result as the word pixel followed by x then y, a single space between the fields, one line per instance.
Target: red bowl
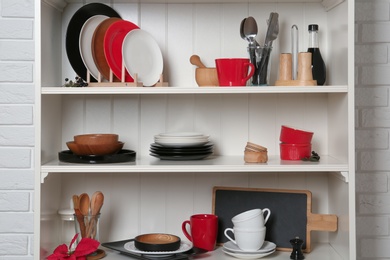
pixel 292 135
pixel 294 151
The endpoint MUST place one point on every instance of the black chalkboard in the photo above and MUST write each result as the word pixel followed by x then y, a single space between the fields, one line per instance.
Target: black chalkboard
pixel 288 212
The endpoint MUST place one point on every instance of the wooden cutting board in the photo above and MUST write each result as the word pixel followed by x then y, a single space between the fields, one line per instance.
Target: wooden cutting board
pixel 291 214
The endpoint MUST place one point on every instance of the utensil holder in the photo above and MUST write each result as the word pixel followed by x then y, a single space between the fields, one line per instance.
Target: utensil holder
pixel 260 57
pixel 87 226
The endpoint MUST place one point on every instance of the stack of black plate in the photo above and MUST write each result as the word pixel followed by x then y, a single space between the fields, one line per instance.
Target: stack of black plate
pixel 181 146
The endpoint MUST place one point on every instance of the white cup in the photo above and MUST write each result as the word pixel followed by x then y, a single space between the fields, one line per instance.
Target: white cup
pixel 249 240
pixel 253 219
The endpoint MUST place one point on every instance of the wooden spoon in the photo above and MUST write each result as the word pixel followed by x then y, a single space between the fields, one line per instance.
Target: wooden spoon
pixel 195 60
pixel 84 204
pixel 84 209
pixel 97 201
pixel 79 215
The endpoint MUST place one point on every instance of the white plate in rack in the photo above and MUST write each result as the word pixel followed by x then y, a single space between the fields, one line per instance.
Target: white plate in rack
pixel 142 56
pixel 85 43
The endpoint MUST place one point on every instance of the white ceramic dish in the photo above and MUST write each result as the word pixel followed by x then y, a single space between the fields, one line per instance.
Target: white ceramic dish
pixel 233 248
pixel 180 134
pixel 184 246
pixel 85 40
pixel 181 144
pixel 142 56
pixel 248 256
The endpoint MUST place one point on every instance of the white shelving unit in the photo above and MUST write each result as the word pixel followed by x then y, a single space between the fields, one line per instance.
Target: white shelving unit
pixel 151 195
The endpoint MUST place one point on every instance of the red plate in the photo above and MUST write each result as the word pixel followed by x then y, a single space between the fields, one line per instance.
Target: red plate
pixel 113 40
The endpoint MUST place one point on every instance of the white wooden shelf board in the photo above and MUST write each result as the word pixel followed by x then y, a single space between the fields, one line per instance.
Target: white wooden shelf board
pixel 213 164
pixel 191 90
pixel 320 251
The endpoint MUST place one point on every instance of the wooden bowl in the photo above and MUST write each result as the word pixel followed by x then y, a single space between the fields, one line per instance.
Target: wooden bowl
pixel 157 242
pixel 93 139
pixel 95 149
pixel 206 77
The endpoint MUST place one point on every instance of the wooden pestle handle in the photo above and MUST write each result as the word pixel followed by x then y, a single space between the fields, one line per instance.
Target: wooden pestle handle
pixel 195 60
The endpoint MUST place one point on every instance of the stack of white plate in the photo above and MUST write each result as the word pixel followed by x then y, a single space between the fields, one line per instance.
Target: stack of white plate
pixel 181 146
pixel 233 250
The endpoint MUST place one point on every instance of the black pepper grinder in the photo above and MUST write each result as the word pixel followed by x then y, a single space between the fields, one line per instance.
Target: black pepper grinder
pixel 297 249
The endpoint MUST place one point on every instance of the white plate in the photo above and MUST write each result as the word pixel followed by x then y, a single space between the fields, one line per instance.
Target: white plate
pixel 180 134
pixel 142 56
pixel 179 144
pixel 184 246
pixel 267 246
pixel 85 40
pixel 182 139
pixel 247 256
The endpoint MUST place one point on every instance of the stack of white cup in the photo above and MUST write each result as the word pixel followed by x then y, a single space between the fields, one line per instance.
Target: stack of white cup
pixel 249 229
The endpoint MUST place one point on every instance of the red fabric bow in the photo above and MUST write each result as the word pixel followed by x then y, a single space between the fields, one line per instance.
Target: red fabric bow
pixel 84 248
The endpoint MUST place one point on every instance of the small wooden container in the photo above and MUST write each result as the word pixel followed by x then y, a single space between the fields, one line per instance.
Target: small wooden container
pixel 255 153
pixel 255 157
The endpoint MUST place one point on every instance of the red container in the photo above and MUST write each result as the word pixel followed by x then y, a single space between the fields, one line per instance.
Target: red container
pixel 290 135
pixel 294 151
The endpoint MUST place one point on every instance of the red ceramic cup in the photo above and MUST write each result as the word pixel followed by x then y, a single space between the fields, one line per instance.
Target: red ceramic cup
pixel 234 71
pixel 204 229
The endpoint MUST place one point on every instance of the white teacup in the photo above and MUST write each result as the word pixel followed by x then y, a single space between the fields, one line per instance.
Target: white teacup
pixel 247 239
pixel 251 219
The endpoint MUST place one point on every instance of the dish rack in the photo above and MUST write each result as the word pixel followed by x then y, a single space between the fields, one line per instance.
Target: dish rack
pixel 122 83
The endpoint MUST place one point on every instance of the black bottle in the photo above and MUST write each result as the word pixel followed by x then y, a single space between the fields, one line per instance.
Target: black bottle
pixel 318 64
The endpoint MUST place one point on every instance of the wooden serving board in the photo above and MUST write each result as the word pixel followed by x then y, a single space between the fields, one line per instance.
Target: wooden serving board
pixel 291 214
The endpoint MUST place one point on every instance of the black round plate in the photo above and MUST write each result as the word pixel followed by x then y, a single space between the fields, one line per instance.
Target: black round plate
pixel 73 34
pixel 182 157
pixel 123 155
pixel 173 152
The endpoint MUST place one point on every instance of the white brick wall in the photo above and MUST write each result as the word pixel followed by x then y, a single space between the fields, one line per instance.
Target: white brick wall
pixel 16 129
pixel 372 59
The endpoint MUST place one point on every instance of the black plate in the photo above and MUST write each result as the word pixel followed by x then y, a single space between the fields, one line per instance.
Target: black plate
pixel 73 34
pixel 120 247
pixel 179 147
pixel 180 151
pixel 182 157
pixel 122 156
pixel 183 153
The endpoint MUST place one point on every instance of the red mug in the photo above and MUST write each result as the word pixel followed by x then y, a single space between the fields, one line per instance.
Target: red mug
pixel 234 71
pixel 204 230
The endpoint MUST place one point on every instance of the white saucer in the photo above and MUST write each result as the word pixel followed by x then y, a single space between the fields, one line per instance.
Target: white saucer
pixel 184 246
pixel 248 256
pixel 233 248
